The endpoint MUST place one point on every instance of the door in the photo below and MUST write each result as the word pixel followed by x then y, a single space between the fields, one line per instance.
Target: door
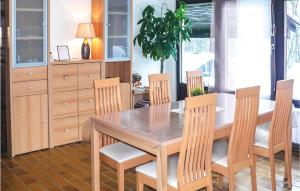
pixel 30 127
pixel 117 19
pixel 29 33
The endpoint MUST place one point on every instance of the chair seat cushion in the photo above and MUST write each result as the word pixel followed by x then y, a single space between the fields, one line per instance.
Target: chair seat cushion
pixel 149 169
pixel 219 154
pixel 121 152
pixel 262 135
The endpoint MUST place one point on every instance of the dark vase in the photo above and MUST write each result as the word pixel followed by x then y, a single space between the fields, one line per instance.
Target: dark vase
pixel 85 49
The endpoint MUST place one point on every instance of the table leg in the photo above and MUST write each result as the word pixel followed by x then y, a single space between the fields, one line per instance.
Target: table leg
pixel 162 169
pixel 95 146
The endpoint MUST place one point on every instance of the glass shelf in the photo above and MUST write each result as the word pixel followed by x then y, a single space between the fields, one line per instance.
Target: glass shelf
pixel 29 33
pixel 117 30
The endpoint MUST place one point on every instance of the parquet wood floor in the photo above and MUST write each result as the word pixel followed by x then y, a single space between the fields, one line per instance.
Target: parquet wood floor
pixel 67 168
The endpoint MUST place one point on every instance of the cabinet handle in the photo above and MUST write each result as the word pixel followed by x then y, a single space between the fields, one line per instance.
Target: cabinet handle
pixel 66 104
pixel 30 73
pixel 66 130
pixel 90 75
pixel 31 87
pixel 66 77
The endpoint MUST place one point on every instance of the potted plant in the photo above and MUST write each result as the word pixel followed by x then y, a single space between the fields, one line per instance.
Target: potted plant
pixel 197 91
pixel 159 36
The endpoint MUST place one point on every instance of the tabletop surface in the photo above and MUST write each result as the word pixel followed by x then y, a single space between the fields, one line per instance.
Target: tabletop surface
pixel 163 123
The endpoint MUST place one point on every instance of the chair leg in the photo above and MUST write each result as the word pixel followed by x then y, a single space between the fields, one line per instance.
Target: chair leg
pixel 272 168
pixel 287 169
pixel 120 172
pixel 210 186
pixel 220 181
pixel 139 183
pixel 231 181
pixel 253 174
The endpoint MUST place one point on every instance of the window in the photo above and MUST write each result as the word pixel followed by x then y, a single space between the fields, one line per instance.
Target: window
pixel 293 45
pixel 197 56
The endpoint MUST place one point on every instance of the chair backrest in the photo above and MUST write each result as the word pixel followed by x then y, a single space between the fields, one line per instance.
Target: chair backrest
pixel 159 89
pixel 243 129
pixel 282 113
pixel 108 100
pixel 194 80
pixel 196 148
pixel 107 96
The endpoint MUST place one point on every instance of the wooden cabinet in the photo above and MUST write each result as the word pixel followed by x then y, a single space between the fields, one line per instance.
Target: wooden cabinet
pixel 30 119
pixel 64 77
pixel 65 104
pixel 65 130
pixel 27 76
pixel 87 73
pixel 72 98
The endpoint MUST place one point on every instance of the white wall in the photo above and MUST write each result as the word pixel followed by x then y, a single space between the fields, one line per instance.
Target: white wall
pixel 147 66
pixel 64 17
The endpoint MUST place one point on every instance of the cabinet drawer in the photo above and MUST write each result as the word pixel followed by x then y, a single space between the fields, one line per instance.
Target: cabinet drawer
pixel 86 101
pixel 85 124
pixel 87 73
pixel 65 104
pixel 29 88
pixel 64 77
pixel 65 131
pixel 29 74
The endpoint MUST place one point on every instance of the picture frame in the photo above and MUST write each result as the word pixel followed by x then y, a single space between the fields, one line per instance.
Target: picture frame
pixel 63 52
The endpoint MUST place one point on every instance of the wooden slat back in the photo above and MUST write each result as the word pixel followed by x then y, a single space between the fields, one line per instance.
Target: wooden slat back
pixel 282 112
pixel 243 129
pixel 194 80
pixel 159 89
pixel 196 149
pixel 108 100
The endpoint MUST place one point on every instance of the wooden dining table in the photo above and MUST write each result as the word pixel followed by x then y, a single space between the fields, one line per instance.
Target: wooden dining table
pixel 158 131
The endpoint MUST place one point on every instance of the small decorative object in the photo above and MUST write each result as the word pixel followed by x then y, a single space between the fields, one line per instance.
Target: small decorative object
pixel 159 36
pixel 51 57
pixel 63 52
pixel 197 92
pixel 136 79
pixel 85 30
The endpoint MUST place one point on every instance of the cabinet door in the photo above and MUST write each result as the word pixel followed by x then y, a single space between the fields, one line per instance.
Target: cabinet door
pixel 30 127
pixel 29 32
pixel 117 29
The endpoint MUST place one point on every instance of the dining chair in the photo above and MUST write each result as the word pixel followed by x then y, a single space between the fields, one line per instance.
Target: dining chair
pixel 194 80
pixel 159 89
pixel 231 156
pixel 117 155
pixel 273 137
pixel 191 168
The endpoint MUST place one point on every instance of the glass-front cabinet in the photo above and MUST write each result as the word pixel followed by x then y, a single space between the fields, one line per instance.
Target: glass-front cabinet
pixel 29 33
pixel 117 34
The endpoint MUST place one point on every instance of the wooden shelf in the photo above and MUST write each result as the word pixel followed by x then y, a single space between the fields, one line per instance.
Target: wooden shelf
pixel 29 10
pixel 30 38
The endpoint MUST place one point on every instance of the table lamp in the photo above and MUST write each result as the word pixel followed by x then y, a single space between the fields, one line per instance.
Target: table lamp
pixel 85 30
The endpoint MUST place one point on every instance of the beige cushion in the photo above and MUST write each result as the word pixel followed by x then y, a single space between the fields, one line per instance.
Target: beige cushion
pixel 262 135
pixel 219 154
pixel 149 169
pixel 121 152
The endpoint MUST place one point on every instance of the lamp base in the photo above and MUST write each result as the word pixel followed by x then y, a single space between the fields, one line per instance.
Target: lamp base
pixel 85 49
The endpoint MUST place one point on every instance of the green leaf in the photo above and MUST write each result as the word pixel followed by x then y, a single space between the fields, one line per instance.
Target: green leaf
pixel 158 36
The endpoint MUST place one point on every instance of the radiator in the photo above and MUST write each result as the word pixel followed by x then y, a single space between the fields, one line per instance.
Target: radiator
pixel 296 125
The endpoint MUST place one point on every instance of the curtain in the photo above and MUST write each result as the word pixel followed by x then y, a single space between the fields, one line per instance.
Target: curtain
pixel 242 31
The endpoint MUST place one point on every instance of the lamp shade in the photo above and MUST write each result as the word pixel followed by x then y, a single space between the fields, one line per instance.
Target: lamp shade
pixel 85 30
